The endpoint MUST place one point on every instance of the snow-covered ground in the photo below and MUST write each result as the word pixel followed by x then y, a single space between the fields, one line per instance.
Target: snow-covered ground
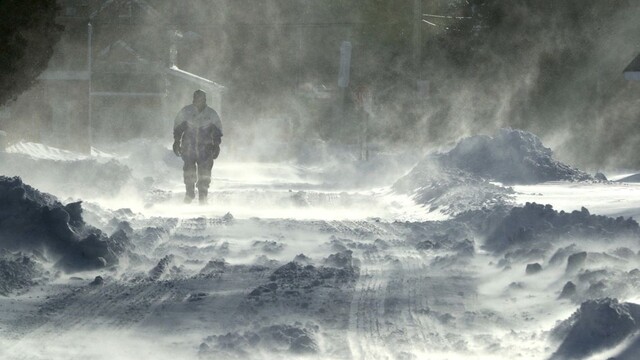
pixel 41 151
pixel 612 199
pixel 285 263
pixel 275 190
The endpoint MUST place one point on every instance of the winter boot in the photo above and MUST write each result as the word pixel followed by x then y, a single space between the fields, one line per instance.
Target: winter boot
pixel 190 195
pixel 202 196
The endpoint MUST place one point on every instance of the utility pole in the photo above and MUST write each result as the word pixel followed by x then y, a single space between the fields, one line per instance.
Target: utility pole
pixel 343 79
pixel 90 70
pixel 422 86
pixel 417 38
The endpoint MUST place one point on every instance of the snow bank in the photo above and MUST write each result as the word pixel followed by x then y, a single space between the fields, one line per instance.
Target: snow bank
pixel 31 220
pixel 598 325
pixel 42 151
pixel 461 179
pixel 86 177
pixel 535 226
pixel 635 178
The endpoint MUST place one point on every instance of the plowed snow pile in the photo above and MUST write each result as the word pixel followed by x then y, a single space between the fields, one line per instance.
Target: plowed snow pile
pixel 462 179
pixel 536 226
pixel 31 220
pixel 509 157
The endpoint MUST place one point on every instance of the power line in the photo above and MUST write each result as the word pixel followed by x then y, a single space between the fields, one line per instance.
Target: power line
pixel 447 17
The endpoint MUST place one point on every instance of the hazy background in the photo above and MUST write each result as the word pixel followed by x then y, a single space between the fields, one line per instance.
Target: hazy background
pixel 550 67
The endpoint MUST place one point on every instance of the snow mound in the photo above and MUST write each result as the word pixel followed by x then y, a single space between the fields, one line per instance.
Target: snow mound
pixel 598 325
pixel 339 269
pixel 214 268
pixel 462 179
pixel 35 221
pixel 450 191
pixel 162 268
pixel 285 339
pixel 17 272
pixel 536 226
pixel 305 288
pixel 510 157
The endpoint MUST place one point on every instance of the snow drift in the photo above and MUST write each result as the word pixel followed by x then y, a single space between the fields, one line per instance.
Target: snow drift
pixel 31 220
pixel 536 226
pixel 596 326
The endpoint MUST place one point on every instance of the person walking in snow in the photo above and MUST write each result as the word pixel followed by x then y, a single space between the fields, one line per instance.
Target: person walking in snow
pixel 197 134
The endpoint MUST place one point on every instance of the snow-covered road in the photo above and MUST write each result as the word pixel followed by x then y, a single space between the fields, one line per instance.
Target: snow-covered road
pixel 285 264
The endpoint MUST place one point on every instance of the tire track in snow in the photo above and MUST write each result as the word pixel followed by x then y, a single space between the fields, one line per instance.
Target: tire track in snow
pixel 399 303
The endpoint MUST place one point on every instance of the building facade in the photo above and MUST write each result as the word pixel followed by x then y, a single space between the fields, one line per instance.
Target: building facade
pixel 112 77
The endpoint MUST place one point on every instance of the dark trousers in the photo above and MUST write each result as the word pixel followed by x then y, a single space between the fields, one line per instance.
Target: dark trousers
pixel 197 171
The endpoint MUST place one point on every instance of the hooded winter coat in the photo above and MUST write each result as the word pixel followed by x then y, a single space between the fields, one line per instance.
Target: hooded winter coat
pixel 198 133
